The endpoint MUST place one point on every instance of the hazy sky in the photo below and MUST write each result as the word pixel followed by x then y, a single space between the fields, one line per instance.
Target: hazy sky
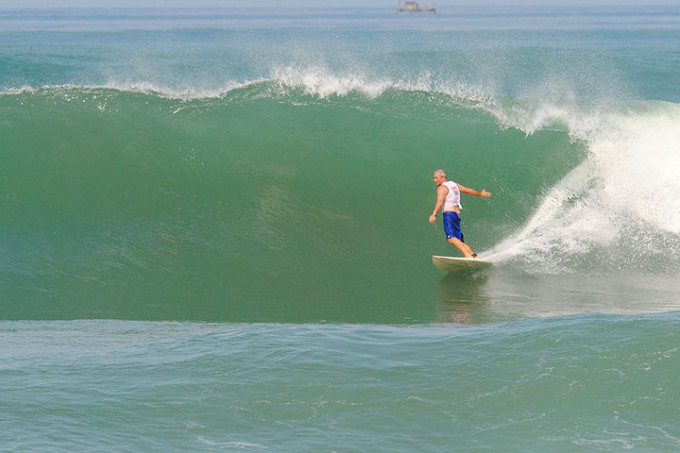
pixel 301 3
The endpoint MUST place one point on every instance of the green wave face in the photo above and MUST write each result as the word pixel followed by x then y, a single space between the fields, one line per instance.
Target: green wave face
pixel 271 203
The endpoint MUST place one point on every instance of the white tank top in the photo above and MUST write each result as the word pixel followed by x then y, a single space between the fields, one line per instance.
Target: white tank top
pixel 452 197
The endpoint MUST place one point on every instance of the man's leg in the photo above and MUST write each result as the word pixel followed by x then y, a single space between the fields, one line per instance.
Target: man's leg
pixel 462 246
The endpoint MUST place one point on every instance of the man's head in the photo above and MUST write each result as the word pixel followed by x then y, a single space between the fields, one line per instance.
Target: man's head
pixel 439 177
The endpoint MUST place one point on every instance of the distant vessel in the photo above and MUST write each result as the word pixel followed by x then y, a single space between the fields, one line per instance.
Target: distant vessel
pixel 413 7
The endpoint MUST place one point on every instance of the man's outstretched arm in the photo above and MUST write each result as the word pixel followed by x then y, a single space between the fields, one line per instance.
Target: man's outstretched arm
pixel 473 192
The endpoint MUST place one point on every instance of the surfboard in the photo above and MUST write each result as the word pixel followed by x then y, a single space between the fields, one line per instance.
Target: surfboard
pixel 452 263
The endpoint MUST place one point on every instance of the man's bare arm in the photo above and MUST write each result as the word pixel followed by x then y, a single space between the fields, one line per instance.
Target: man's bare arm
pixel 473 192
pixel 441 195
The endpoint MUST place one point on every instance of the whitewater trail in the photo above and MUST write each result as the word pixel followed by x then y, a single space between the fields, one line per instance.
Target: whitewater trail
pixel 624 195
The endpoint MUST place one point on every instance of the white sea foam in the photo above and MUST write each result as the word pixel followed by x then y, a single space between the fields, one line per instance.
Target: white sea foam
pixel 623 194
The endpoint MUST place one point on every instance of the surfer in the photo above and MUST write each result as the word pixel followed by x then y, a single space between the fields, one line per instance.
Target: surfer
pixel 448 201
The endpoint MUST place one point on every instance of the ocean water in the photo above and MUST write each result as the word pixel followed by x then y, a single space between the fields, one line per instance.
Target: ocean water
pixel 214 229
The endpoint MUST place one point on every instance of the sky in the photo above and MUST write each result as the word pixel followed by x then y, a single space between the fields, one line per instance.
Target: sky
pixel 300 3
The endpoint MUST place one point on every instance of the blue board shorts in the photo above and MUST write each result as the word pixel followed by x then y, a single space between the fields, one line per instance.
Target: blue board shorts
pixel 452 225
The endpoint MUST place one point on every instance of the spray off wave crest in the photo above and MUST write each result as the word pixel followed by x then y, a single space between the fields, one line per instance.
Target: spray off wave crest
pixel 313 80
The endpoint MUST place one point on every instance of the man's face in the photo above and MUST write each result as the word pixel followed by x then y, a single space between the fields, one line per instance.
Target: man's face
pixel 438 179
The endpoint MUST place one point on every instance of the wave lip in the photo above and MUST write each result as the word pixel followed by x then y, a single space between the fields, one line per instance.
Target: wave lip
pixel 314 80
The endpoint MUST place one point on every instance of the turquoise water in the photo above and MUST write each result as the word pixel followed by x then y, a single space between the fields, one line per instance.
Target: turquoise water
pixel 586 382
pixel 214 230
